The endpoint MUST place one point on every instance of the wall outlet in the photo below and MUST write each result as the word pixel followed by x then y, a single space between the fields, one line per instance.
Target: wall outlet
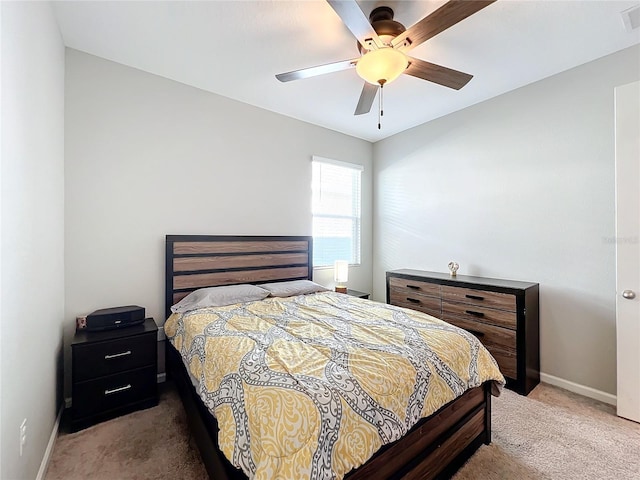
pixel 23 435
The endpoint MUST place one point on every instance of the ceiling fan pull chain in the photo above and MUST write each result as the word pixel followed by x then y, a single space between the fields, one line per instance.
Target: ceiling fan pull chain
pixel 379 108
pixel 380 100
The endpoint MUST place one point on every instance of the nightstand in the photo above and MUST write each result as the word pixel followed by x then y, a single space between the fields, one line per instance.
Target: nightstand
pixel 113 372
pixel 356 293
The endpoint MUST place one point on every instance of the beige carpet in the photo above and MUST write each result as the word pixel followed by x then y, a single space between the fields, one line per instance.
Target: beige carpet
pixel 555 434
pixel 551 434
pixel 145 445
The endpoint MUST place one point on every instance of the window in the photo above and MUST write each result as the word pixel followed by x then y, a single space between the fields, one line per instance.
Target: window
pixel 336 211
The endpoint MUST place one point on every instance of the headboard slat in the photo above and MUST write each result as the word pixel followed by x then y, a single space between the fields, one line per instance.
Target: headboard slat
pixel 240 247
pixel 201 280
pixel 189 264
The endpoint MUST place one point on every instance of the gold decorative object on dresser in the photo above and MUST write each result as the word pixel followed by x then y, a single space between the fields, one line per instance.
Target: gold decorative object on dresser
pixel 503 314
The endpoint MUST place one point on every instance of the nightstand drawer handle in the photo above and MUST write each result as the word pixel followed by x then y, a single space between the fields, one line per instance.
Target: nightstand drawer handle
pixel 116 355
pixel 475 314
pixel 413 300
pixel 474 297
pixel 415 287
pixel 116 390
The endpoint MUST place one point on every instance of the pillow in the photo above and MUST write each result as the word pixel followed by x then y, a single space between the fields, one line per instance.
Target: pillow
pixel 219 297
pixel 295 287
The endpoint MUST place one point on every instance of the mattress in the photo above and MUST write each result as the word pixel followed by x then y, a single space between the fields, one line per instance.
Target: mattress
pixel 311 386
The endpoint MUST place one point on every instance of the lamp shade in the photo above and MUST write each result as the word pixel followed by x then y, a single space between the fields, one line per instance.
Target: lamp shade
pixel 382 66
pixel 341 271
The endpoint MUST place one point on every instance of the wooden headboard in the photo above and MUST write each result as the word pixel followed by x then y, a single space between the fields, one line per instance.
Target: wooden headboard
pixel 198 261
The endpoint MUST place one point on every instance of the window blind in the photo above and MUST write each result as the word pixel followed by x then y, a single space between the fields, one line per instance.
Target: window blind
pixel 336 210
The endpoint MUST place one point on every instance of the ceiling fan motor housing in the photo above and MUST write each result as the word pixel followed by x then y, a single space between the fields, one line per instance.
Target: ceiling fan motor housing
pixel 386 27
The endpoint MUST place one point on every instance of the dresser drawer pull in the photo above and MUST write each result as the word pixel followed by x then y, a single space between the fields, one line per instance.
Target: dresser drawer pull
pixel 116 390
pixel 476 333
pixel 474 297
pixel 475 314
pixel 116 355
pixel 415 287
pixel 413 300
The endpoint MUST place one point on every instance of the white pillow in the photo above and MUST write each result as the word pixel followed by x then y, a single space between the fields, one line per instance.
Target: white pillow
pixel 219 297
pixel 294 287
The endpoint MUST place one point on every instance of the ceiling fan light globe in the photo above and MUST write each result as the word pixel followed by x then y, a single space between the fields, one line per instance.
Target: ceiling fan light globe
pixel 382 66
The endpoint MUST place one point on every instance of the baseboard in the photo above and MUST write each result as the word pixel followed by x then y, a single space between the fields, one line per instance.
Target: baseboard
pixel 49 450
pixel 579 389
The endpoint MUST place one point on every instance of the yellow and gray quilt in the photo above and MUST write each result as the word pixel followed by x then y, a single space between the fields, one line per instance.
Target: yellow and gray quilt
pixel 311 386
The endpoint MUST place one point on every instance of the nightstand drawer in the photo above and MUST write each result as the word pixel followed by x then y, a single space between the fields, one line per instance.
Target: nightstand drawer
pixel 114 391
pixel 112 356
pixel 422 303
pixel 502 301
pixel 501 342
pixel 475 313
pixel 405 286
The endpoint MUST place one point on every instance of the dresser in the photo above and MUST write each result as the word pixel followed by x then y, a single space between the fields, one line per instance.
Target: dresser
pixel 113 372
pixel 503 314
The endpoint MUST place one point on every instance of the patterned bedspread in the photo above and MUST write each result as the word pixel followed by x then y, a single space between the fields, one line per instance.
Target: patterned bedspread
pixel 310 387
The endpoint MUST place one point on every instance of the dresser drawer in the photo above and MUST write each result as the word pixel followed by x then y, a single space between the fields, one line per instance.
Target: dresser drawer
pixel 475 313
pixel 112 356
pixel 113 391
pixel 502 301
pixel 501 342
pixel 405 286
pixel 415 301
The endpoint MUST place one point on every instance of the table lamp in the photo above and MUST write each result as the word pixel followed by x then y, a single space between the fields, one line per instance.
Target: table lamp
pixel 341 275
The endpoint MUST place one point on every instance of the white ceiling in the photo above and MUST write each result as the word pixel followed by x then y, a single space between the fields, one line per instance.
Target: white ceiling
pixel 235 48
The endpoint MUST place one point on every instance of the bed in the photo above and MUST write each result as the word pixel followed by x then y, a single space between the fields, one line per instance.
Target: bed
pixel 435 447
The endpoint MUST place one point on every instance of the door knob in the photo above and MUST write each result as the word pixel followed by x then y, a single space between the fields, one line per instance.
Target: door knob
pixel 629 294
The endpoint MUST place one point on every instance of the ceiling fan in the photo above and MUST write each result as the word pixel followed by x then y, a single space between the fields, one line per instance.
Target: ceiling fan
pixel 383 44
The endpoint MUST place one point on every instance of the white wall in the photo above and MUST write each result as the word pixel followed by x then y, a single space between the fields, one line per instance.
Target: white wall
pixel 147 156
pixel 32 243
pixel 518 187
pixel 1 149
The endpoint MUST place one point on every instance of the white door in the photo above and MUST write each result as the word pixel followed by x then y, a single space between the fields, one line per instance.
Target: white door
pixel 627 126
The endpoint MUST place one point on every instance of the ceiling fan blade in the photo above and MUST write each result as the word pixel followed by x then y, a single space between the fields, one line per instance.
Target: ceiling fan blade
pixel 446 16
pixel 318 70
pixel 356 21
pixel 437 74
pixel 367 97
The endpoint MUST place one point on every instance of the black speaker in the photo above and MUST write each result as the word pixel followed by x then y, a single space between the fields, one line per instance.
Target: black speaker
pixel 115 317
